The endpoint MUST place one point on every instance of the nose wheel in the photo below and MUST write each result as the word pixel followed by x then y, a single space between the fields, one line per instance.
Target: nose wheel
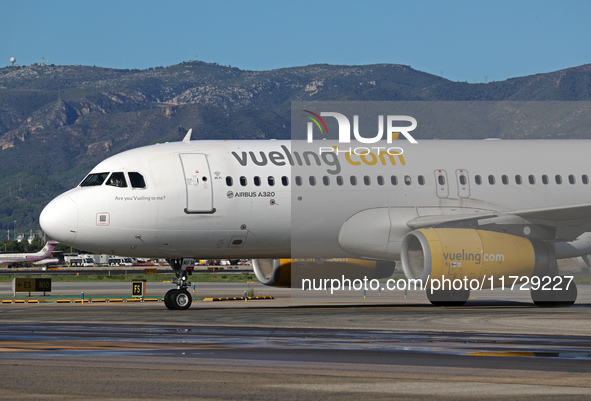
pixel 179 298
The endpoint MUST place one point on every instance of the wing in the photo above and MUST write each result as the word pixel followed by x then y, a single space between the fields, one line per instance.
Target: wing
pixel 562 223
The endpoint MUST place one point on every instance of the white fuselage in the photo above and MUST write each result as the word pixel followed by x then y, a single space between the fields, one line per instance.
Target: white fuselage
pixel 195 203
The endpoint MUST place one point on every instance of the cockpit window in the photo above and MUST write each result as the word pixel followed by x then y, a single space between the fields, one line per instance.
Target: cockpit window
pixel 117 180
pixel 136 180
pixel 94 179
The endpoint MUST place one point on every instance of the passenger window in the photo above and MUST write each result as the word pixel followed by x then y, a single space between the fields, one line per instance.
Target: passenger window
pixel 380 180
pixel 491 179
pixel 571 179
pixel 394 180
pixel 340 180
pixel 558 179
pixel 462 179
pixel 136 180
pixel 285 181
pixel 518 179
pixel 478 179
pixel 545 179
pixel 366 180
pixel 505 179
pixel 271 180
pixel 243 181
pixel 229 181
pixel 257 181
pixel 585 179
pixel 422 180
pixel 94 180
pixel 312 180
pixel 407 180
pixel 353 180
pixel 117 180
pixel 298 181
pixel 441 179
pixel 531 179
pixel 326 180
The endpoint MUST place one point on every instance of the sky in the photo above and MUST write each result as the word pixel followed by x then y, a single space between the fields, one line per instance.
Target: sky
pixel 472 41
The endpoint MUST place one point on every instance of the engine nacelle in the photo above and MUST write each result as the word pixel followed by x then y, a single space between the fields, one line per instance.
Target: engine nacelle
pixel 458 253
pixel 273 272
pixel 290 272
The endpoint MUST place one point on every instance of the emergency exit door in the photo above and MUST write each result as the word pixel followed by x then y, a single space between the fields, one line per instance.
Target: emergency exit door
pixel 441 183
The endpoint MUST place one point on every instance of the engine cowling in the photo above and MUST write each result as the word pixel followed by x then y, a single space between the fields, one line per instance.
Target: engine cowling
pixel 458 253
pixel 290 272
pixel 273 272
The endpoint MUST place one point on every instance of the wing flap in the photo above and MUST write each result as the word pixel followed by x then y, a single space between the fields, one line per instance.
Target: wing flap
pixel 561 213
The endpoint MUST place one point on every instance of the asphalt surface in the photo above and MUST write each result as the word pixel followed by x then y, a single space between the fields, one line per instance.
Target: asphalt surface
pixel 300 345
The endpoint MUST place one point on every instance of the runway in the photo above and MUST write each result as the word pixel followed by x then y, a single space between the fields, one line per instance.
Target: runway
pixel 297 347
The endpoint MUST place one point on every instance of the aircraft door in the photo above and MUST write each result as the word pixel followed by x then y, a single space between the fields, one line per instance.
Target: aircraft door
pixel 198 183
pixel 441 183
pixel 463 183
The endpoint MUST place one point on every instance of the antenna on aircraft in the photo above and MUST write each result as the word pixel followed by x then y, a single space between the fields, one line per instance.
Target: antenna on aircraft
pixel 187 137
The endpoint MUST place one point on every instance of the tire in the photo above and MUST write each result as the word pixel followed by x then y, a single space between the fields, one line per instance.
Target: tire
pixel 167 298
pixel 448 297
pixel 181 299
pixel 556 298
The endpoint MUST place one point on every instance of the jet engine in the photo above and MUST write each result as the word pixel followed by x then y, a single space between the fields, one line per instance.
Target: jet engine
pixel 441 257
pixel 290 272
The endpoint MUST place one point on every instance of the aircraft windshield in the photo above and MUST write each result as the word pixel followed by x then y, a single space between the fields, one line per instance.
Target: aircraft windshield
pixel 137 180
pixel 94 179
pixel 117 180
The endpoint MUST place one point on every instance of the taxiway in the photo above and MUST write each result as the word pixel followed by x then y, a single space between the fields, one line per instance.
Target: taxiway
pixel 297 346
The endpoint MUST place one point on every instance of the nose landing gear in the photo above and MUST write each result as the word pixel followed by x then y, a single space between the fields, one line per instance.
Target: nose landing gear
pixel 179 298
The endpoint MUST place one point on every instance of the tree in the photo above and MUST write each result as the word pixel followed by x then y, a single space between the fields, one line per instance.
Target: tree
pixel 13 246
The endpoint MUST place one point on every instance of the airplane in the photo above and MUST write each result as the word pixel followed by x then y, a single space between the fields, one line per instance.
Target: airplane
pixel 25 259
pixel 48 262
pixel 495 212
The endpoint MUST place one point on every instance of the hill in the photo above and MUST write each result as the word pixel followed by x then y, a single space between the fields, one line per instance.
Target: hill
pixel 57 122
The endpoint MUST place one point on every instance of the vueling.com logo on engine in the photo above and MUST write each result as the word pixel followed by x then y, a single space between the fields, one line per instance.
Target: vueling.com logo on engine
pixel 392 131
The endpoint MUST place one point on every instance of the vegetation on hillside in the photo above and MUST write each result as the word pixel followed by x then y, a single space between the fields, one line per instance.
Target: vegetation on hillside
pixel 57 122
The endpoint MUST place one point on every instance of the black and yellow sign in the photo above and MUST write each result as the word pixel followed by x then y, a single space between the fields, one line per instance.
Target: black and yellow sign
pixel 43 284
pixel 31 285
pixel 151 271
pixel 138 288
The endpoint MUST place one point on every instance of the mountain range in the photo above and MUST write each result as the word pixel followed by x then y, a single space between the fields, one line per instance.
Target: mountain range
pixel 57 122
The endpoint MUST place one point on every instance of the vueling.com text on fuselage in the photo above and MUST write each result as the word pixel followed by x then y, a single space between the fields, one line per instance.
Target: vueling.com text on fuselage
pixel 368 156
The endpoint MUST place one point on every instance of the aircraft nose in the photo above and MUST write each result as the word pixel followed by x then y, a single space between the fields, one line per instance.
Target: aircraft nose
pixel 59 219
